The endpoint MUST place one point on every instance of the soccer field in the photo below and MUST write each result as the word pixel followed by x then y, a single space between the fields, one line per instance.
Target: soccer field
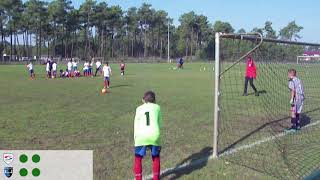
pixel 73 114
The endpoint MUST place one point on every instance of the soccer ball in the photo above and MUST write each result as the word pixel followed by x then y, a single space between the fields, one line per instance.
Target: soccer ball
pixel 103 91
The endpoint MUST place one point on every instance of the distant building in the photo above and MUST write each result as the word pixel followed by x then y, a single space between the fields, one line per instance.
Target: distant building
pixel 311 53
pixel 312 56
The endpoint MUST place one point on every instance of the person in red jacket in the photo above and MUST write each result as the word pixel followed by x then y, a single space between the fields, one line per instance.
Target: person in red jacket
pixel 251 73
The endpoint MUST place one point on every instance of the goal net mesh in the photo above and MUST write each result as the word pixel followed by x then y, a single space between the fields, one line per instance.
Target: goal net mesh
pixel 308 59
pixel 252 129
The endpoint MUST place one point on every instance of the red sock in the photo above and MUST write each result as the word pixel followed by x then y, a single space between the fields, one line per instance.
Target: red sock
pixel 138 167
pixel 105 83
pixel 156 167
pixel 108 83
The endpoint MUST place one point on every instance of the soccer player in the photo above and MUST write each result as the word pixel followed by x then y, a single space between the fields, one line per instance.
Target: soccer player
pixel 147 124
pixel 90 68
pixel 61 73
pixel 122 67
pixel 106 74
pixel 98 68
pixel 251 73
pixel 77 73
pixel 181 63
pixel 178 63
pixel 54 70
pixel 69 68
pixel 297 97
pixel 31 71
pixel 66 74
pixel 85 69
pixel 48 69
pixel 74 65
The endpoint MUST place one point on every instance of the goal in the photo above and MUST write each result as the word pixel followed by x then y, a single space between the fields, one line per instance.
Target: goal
pixel 308 59
pixel 250 130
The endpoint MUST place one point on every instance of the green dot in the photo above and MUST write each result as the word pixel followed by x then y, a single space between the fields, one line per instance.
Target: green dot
pixel 35 172
pixel 23 158
pixel 36 158
pixel 23 172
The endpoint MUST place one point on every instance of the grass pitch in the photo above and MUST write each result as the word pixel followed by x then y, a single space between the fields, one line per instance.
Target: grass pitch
pixel 73 114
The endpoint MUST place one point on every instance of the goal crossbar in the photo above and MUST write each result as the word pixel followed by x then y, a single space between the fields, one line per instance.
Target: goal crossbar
pixel 251 37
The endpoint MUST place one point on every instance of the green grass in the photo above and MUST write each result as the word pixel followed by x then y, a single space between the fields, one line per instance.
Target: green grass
pixel 72 114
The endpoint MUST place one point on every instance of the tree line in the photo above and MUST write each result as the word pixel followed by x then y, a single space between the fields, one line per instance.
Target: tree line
pixel 56 28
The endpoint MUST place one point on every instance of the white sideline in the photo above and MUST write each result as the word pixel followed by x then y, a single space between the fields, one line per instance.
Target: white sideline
pixel 231 151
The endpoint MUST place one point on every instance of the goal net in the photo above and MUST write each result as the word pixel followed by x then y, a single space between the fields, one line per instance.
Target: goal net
pixel 252 125
pixel 308 59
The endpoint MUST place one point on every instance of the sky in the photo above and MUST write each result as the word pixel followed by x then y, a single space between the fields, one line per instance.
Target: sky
pixel 245 14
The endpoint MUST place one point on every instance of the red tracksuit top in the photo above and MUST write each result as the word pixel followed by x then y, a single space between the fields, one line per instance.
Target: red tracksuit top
pixel 251 69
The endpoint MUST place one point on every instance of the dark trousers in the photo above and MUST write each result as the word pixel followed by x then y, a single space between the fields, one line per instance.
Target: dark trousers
pixel 250 80
pixel 97 70
pixel 296 121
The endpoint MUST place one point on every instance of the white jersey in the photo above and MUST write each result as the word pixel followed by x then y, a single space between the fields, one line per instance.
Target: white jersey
pixel 98 64
pixel 30 66
pixel 91 64
pixel 74 64
pixel 106 71
pixel 47 67
pixel 86 65
pixel 69 65
pixel 295 84
pixel 54 66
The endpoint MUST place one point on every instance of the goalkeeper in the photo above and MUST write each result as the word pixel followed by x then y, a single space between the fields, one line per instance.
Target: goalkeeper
pixel 147 125
pixel 297 97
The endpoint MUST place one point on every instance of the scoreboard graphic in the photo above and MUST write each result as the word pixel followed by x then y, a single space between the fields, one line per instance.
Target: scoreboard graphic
pixel 47 164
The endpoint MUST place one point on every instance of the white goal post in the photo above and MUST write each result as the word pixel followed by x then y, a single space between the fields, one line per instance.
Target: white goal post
pixel 309 59
pixel 218 74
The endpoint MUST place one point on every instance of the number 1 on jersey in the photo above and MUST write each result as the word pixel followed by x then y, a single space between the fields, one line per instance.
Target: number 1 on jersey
pixel 147 118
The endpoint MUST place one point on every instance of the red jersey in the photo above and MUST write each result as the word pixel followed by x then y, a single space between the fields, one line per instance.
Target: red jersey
pixel 122 65
pixel 251 69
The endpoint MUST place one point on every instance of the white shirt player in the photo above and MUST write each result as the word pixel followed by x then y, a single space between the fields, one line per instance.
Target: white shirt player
pixel 106 71
pixel 74 64
pixel 47 67
pixel 30 66
pixel 69 66
pixel 54 66
pixel 98 64
pixel 86 66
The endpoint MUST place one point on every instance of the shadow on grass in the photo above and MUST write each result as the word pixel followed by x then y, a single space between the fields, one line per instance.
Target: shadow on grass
pixel 118 86
pixel 260 92
pixel 190 164
pixel 304 119
pixel 261 164
pixel 200 159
